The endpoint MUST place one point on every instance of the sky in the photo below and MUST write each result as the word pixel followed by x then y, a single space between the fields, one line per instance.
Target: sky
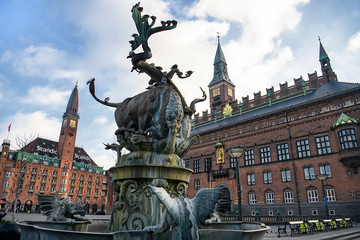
pixel 48 45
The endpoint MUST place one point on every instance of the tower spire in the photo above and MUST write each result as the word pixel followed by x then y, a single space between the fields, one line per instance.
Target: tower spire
pixel 221 87
pixel 326 69
pixel 73 103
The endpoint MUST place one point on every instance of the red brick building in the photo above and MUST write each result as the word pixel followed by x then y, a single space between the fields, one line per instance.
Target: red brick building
pixel 291 136
pixel 60 168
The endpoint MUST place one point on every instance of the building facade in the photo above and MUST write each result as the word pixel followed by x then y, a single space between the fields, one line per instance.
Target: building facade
pixel 292 137
pixel 47 167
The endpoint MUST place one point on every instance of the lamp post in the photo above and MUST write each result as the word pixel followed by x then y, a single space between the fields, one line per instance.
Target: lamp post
pixel 323 177
pixel 236 152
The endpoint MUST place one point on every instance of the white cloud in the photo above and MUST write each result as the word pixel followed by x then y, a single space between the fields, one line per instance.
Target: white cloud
pixel 46 96
pixel 100 121
pixel 354 42
pixel 31 124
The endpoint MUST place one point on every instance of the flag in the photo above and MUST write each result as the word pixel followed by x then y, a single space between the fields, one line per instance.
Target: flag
pixel 9 127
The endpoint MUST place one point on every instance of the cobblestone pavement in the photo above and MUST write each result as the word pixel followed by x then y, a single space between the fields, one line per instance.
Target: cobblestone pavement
pixel 341 234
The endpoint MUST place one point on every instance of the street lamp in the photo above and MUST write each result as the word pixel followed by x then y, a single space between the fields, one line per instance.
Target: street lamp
pixel 236 152
pixel 323 177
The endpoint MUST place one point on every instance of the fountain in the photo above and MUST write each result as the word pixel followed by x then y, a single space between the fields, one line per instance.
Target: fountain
pixel 151 181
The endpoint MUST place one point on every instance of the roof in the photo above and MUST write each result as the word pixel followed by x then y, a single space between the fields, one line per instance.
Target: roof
pixel 345 120
pixel 326 91
pixel 48 147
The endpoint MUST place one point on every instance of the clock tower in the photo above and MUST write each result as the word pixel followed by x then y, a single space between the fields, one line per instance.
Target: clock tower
pixel 68 130
pixel 221 88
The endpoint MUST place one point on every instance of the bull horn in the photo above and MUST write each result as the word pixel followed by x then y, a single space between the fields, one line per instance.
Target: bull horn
pixel 197 100
pixel 106 102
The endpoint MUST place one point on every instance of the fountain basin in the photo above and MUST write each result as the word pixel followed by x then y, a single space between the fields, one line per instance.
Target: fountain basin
pixel 37 230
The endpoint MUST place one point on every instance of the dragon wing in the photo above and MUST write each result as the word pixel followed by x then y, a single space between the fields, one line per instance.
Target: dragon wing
pixel 48 204
pixel 204 202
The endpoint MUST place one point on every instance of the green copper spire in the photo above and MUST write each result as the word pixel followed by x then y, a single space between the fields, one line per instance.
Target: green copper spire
pixel 220 67
pixel 322 55
pixel 219 56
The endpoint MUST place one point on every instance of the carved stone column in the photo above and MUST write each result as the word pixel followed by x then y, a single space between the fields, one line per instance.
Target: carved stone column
pixel 134 205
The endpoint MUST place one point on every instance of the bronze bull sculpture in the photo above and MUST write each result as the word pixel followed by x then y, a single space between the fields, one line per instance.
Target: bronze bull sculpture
pixel 157 120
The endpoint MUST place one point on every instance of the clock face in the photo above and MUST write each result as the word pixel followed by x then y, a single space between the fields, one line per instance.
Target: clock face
pixel 72 123
pixel 230 92
pixel 216 92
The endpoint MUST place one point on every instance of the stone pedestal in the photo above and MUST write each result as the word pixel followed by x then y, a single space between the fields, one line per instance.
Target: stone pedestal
pixel 134 206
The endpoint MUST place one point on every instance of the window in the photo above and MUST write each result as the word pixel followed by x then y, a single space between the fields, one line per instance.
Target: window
pixel 269 197
pixel 249 157
pixel 208 164
pixel 265 155
pixel 65 173
pixel 73 176
pixel 267 178
pixel 233 162
pixel 312 195
pixel 251 179
pixel 63 181
pixel 347 139
pixel 45 172
pixel 323 145
pixel 303 148
pixel 62 189
pixel 6 184
pixel 72 183
pixel 283 152
pixel 43 179
pixel 309 173
pixel 8 174
pixel 42 188
pixel 288 196
pixel 71 190
pixel 23 169
pixel 187 164
pixel 52 189
pixel 285 175
pixel 103 193
pixel 330 194
pixel 196 166
pixel 252 198
pixel 34 171
pixel 197 184
pixel 325 169
pixel 89 179
pixel 55 174
pixel 31 187
pixel 82 177
pixel 66 166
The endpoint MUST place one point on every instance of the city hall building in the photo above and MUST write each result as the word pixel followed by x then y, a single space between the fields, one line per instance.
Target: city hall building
pixel 53 168
pixel 297 139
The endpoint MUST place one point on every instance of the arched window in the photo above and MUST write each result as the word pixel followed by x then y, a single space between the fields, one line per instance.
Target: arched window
pixel 330 194
pixel 269 197
pixel 252 197
pixel 312 194
pixel 288 196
